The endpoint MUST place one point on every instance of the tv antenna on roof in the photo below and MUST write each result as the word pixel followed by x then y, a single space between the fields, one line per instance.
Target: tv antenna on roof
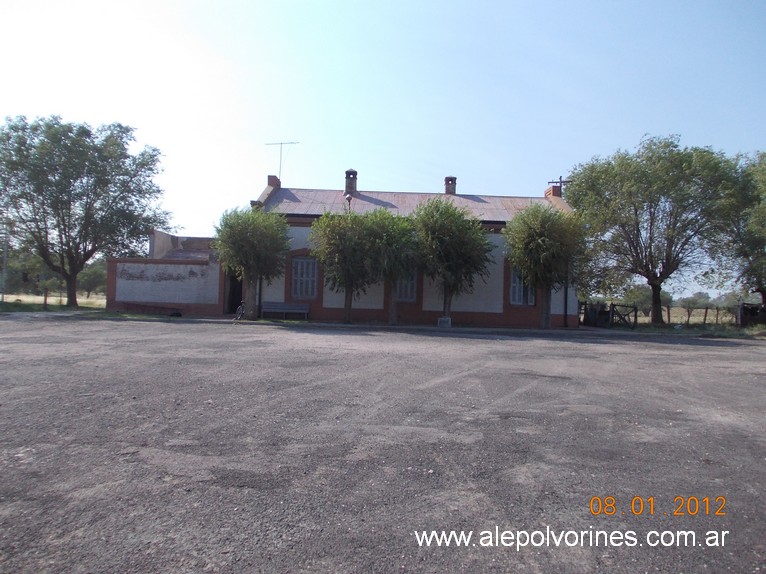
pixel 561 181
pixel 280 144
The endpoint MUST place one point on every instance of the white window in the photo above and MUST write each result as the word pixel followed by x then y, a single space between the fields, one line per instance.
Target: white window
pixel 521 293
pixel 304 280
pixel 406 289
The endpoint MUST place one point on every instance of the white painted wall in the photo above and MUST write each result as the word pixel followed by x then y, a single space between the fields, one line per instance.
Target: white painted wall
pixel 486 297
pixel 275 292
pixel 165 283
pixel 373 299
pixel 557 302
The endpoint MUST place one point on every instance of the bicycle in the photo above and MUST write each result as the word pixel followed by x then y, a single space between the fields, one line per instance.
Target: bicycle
pixel 240 314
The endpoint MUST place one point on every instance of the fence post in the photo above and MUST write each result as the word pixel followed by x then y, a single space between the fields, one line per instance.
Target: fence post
pixel 716 314
pixel 668 314
pixel 704 319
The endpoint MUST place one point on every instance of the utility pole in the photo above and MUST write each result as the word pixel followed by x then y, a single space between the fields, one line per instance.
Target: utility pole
pixel 280 144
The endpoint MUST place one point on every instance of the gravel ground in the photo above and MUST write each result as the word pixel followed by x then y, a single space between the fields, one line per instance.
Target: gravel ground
pixel 193 446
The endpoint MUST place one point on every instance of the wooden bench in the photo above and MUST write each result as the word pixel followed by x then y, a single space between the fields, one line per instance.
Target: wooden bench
pixel 285 309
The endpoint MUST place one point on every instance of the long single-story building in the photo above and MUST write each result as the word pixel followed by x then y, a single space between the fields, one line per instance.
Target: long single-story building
pixel 183 274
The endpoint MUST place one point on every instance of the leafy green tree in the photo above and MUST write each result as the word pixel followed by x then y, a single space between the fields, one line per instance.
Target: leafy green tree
pixel 342 244
pixel 732 299
pixel 453 248
pixel 544 245
pixel 649 213
pixel 739 246
pixel 18 269
pixel 596 281
pixel 752 252
pixel 26 273
pixel 253 245
pixel 698 300
pixel 641 297
pixel 75 192
pixel 93 277
pixel 393 250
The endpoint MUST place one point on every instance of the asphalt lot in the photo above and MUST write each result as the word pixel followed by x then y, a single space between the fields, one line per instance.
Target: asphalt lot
pixel 183 446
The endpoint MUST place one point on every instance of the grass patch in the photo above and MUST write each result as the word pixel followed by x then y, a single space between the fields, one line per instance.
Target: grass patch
pixel 23 303
pixel 700 330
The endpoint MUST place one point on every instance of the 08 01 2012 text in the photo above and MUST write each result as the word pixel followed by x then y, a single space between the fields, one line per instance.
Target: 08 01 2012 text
pixel 638 506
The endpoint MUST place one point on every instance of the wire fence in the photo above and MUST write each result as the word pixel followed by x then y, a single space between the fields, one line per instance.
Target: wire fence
pixel 603 315
pixel 712 315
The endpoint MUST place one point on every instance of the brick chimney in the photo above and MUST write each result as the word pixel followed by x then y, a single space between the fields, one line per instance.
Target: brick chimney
pixel 553 191
pixel 350 182
pixel 450 185
pixel 273 181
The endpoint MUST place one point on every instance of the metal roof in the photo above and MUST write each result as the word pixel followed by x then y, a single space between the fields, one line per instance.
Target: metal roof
pixel 315 202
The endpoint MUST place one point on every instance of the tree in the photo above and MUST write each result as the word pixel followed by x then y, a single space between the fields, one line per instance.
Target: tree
pixel 732 299
pixel 754 248
pixel 641 297
pixel 342 245
pixel 253 245
pixel 393 250
pixel 93 277
pixel 698 300
pixel 739 245
pixel 75 192
pixel 649 213
pixel 26 273
pixel 544 245
pixel 453 248
pixel 752 252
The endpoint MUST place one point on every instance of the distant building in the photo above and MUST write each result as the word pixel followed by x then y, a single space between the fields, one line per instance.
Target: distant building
pixel 172 278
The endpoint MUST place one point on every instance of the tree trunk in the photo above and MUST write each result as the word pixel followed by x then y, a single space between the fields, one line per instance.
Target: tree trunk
pixel 349 299
pixel 392 318
pixel 260 296
pixel 656 304
pixel 251 299
pixel 447 306
pixel 71 290
pixel 545 307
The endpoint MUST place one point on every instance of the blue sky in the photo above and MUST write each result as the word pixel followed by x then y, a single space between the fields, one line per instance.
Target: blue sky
pixel 503 95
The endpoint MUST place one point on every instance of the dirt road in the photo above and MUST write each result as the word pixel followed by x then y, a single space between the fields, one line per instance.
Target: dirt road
pixel 184 446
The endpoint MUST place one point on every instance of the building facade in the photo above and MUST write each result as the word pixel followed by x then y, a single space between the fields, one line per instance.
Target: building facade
pixel 173 278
